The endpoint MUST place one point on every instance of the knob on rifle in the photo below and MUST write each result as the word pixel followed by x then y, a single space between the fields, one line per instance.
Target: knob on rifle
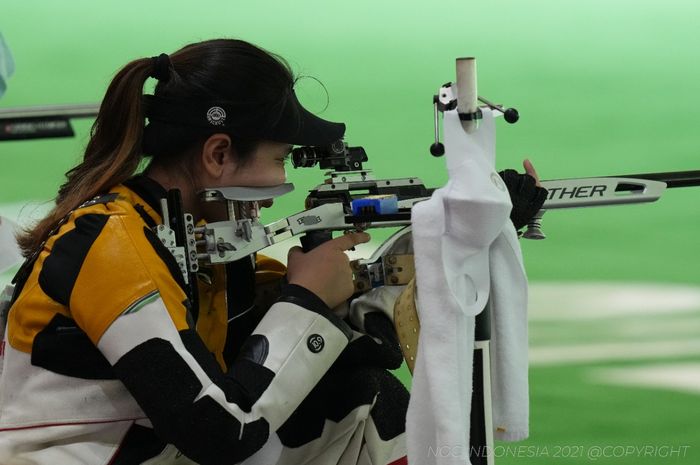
pixel 511 115
pixel 534 227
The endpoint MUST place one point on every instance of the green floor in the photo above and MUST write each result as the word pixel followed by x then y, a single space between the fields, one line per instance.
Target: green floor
pixel 603 88
pixel 572 405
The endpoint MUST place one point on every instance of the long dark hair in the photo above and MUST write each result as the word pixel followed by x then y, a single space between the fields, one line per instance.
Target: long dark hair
pixel 227 69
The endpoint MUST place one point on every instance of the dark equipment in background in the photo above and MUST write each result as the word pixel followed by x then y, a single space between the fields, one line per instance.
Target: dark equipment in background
pixel 40 122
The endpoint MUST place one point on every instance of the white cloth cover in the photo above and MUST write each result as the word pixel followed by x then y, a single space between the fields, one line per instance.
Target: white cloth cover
pixel 9 250
pixel 7 65
pixel 509 362
pixel 465 249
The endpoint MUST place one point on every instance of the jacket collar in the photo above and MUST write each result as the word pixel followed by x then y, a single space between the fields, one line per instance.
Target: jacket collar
pixel 145 194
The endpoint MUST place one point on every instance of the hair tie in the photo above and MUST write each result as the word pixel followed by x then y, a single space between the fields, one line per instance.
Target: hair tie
pixel 160 67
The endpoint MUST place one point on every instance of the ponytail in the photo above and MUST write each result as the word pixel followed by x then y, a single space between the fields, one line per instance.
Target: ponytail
pixel 112 155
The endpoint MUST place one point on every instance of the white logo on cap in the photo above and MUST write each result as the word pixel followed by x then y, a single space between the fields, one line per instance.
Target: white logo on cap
pixel 216 116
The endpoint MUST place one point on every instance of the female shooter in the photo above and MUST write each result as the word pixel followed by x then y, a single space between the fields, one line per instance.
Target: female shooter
pixel 110 359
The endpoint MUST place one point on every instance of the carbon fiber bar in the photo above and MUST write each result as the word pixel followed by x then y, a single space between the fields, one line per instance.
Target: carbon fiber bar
pixel 672 178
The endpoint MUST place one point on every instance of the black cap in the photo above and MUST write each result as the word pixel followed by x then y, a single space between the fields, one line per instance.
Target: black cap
pixel 288 122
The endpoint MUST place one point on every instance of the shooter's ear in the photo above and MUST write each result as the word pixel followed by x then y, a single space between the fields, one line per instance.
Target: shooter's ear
pixel 216 154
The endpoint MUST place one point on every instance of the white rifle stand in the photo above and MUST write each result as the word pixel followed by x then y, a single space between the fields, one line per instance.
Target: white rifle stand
pixel 453 234
pixel 481 423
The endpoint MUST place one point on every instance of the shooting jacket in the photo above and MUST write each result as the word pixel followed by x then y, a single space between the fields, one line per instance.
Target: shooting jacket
pixel 105 363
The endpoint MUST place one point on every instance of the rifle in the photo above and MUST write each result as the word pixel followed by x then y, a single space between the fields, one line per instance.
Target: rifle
pixel 346 182
pixel 350 198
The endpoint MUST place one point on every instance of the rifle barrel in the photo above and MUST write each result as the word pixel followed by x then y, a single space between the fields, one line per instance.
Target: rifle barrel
pixel 672 179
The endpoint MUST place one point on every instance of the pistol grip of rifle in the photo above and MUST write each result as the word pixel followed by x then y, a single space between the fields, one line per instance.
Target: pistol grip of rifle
pixel 313 239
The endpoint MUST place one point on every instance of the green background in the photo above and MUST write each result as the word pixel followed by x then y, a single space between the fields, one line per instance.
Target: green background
pixel 602 87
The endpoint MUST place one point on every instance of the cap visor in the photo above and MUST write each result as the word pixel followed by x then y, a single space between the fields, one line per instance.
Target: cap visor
pixel 298 126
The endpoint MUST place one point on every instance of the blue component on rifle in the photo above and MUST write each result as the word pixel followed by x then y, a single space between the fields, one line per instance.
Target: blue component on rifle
pixel 375 205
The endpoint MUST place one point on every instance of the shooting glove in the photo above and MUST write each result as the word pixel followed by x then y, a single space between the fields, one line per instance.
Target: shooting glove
pixel 527 198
